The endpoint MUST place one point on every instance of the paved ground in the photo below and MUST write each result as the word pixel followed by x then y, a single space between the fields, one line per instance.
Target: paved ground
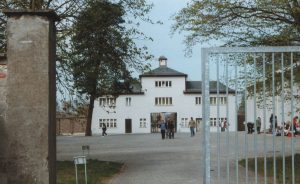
pixel 149 159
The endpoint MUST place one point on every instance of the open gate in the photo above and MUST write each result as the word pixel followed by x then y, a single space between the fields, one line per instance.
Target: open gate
pixel 264 82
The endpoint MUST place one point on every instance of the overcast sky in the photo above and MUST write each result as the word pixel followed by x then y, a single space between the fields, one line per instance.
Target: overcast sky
pixel 171 47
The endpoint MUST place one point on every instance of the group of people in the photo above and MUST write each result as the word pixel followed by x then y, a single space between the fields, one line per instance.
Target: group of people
pixel 286 128
pixel 167 129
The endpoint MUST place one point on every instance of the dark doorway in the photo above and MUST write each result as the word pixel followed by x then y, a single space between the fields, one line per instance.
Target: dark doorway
pixel 128 126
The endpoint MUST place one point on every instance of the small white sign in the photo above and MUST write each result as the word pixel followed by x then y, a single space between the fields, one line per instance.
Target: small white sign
pixel 80 160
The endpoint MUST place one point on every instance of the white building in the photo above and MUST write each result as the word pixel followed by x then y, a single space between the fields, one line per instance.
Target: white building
pixel 161 92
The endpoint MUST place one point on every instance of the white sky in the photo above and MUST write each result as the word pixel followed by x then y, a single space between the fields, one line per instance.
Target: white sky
pixel 171 47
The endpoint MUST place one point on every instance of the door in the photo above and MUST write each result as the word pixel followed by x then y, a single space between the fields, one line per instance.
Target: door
pixel 128 126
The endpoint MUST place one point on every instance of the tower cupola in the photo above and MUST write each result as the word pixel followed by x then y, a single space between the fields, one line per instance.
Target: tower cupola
pixel 162 61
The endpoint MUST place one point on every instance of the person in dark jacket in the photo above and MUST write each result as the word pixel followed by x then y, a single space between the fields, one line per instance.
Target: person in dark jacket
pixel 104 129
pixel 170 128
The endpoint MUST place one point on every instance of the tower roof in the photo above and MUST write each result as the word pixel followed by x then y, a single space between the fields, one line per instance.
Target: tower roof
pixel 163 71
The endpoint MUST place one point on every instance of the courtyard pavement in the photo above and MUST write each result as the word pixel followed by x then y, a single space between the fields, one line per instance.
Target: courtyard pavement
pixel 150 160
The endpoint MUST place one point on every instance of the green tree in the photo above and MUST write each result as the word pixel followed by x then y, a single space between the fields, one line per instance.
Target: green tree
pixel 134 11
pixel 66 10
pixel 103 52
pixel 244 23
pixel 240 23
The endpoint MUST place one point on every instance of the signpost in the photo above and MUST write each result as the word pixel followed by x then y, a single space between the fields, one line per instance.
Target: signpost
pixel 78 161
pixel 85 148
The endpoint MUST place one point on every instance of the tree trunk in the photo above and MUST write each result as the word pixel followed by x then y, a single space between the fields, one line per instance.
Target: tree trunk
pixel 88 131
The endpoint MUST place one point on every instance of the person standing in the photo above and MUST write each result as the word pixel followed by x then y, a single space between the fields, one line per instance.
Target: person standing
pixel 163 127
pixel 258 125
pixel 171 128
pixel 104 129
pixel 273 118
pixel 295 121
pixel 192 125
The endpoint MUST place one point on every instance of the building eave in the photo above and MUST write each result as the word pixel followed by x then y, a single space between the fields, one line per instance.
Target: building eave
pixel 133 93
pixel 163 76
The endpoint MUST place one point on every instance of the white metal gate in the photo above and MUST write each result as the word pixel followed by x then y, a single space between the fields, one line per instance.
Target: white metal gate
pixel 263 80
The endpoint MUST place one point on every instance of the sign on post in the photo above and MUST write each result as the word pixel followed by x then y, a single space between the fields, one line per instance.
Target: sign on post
pixel 78 161
pixel 85 148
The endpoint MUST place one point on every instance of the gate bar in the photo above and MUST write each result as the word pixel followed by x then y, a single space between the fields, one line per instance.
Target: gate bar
pixel 205 113
pixel 255 118
pixel 246 125
pixel 218 123
pixel 227 125
pixel 292 116
pixel 226 50
pixel 236 131
pixel 265 120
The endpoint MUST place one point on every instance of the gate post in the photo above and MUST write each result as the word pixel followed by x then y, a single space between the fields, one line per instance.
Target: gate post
pixel 31 97
pixel 205 115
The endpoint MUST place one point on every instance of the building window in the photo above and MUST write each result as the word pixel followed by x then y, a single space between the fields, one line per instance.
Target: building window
pixel 223 100
pixel 163 84
pixel 169 84
pixel 198 100
pixel 143 123
pixel 184 123
pixel 128 101
pixel 107 101
pixel 214 101
pixel 163 101
pixel 110 123
pixel 215 123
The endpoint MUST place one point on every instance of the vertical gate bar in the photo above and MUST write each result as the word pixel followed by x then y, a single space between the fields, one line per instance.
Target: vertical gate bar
pixel 227 125
pixel 205 113
pixel 255 119
pixel 76 177
pixel 292 115
pixel 282 118
pixel 265 118
pixel 85 173
pixel 236 130
pixel 246 123
pixel 274 117
pixel 218 119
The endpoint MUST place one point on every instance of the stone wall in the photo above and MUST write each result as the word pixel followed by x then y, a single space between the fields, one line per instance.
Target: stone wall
pixel 70 125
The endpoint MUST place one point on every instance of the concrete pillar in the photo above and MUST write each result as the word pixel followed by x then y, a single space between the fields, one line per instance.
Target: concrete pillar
pixel 31 97
pixel 3 107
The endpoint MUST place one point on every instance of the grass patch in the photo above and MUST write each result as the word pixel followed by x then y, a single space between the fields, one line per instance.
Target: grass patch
pixel 279 168
pixel 97 171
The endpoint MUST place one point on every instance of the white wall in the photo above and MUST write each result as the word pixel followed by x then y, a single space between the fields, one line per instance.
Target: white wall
pixel 143 105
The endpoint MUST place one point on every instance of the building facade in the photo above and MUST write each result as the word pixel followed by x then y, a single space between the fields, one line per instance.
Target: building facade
pixel 162 93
